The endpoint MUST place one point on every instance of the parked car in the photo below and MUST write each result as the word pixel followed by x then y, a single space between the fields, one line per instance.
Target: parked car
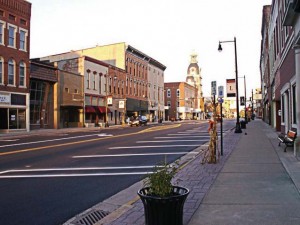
pixel 139 121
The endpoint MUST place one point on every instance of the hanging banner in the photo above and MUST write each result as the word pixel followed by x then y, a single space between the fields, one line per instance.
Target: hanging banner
pixel 121 104
pixel 230 87
pixel 242 100
pixel 109 100
pixel 213 87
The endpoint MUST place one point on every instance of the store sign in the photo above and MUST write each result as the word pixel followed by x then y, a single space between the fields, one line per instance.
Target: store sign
pixel 4 98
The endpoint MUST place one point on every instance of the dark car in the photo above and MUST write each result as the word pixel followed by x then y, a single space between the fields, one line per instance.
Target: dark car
pixel 138 121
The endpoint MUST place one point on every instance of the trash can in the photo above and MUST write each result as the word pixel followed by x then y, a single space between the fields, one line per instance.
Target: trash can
pixel 243 124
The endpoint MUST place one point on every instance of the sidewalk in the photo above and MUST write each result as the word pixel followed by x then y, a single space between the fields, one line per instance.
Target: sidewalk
pixel 259 184
pixel 254 182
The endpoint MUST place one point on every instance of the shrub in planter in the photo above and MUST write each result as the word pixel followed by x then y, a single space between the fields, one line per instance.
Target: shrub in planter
pixel 163 202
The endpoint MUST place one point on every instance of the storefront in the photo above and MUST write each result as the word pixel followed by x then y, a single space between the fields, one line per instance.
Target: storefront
pixel 13 112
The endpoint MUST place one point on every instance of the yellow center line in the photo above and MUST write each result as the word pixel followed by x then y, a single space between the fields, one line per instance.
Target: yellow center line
pixel 85 141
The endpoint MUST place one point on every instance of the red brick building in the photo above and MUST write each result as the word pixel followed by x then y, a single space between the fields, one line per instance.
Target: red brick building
pixel 180 101
pixel 14 64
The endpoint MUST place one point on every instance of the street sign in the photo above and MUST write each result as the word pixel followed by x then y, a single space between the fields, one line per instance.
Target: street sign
pixel 213 87
pixel 220 100
pixel 221 91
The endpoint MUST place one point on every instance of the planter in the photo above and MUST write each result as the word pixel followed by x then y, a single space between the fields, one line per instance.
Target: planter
pixel 164 210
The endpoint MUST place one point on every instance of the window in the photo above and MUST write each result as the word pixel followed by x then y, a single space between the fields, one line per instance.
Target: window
pixel 11 36
pixel 178 93
pixel 11 72
pixel 169 93
pixel 88 79
pixel 2 25
pixel 1 70
pixel 22 74
pixel 169 103
pixel 67 90
pixel 23 39
pixel 12 17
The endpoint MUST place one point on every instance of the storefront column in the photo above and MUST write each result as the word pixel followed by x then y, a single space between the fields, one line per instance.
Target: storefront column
pixel 297 66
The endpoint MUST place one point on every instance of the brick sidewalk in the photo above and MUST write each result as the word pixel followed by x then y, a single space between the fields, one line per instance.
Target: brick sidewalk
pixel 195 176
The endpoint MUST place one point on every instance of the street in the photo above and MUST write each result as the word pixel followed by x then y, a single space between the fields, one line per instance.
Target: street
pixel 51 177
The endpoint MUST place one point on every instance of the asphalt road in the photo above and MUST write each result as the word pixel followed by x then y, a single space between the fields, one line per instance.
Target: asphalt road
pixel 47 178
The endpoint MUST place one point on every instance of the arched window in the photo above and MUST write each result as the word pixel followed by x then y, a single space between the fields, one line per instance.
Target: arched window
pixel 11 72
pixel 22 74
pixel 1 70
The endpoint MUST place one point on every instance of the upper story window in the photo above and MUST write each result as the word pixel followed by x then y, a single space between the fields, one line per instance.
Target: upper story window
pixel 178 93
pixel 23 39
pixel 12 17
pixel 1 70
pixel 168 93
pixel 22 74
pixel 88 78
pixel 11 72
pixel 12 36
pixel 2 25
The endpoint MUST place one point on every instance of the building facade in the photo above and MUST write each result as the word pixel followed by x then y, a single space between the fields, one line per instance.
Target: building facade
pixel 180 101
pixel 136 80
pixel 14 64
pixel 43 92
pixel 291 18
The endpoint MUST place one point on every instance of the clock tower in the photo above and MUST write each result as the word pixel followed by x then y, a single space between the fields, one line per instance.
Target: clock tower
pixel 194 78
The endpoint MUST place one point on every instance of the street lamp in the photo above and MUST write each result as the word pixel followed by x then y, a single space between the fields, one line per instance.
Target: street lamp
pixel 237 127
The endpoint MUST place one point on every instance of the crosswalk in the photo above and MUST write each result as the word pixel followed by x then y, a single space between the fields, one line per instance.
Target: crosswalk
pixel 173 145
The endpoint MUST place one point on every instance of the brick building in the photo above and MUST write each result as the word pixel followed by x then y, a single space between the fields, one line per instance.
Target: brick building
pixel 14 64
pixel 180 101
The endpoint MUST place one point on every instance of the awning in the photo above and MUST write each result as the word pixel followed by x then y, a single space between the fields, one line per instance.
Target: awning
pixel 90 109
pixel 102 109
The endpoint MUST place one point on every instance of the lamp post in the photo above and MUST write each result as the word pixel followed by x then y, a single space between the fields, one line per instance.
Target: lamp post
pixel 238 126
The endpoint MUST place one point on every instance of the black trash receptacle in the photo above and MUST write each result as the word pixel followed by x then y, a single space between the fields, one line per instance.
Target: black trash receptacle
pixel 243 124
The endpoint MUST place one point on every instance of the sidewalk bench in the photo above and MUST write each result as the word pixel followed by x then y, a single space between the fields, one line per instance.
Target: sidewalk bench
pixel 287 139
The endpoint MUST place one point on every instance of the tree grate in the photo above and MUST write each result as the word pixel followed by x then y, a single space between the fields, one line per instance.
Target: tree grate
pixel 91 217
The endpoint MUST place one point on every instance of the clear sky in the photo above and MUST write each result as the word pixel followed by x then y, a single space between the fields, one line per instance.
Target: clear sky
pixel 166 30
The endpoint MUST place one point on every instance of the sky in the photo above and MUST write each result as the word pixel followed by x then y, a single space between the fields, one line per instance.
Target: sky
pixel 166 30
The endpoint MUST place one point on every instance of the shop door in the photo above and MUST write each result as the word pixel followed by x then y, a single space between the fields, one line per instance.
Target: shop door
pixel 3 119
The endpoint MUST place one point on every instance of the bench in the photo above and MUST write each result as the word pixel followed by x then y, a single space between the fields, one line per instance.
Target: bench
pixel 287 139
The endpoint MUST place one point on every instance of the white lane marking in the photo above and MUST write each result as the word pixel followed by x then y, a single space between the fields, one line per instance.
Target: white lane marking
pixel 10 140
pixel 139 154
pixel 74 169
pixel 78 168
pixel 57 139
pixel 168 141
pixel 153 146
pixel 75 175
pixel 105 135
